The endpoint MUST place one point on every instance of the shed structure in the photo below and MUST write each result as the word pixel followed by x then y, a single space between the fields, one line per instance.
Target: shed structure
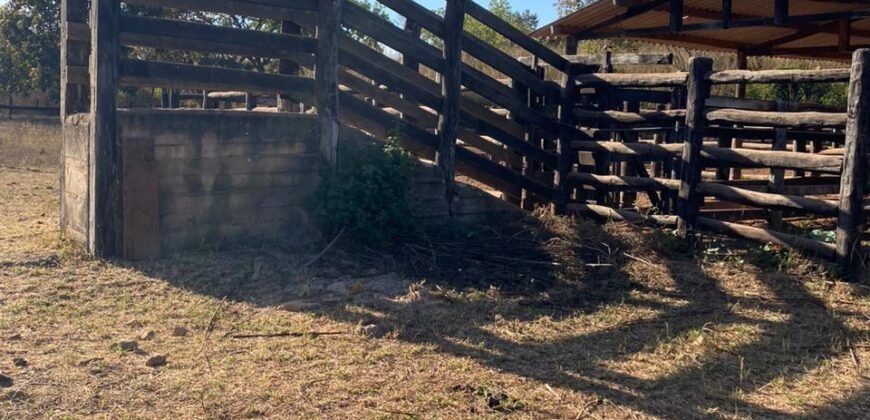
pixel 796 28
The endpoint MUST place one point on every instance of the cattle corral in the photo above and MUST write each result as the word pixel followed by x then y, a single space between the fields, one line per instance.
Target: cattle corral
pixel 167 265
pixel 550 130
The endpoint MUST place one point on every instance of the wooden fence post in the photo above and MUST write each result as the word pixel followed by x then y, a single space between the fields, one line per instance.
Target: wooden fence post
pixel 777 175
pixel 740 92
pixel 326 75
pixel 104 206
pixel 451 83
pixel 566 133
pixel 285 102
pixel 689 199
pixel 854 176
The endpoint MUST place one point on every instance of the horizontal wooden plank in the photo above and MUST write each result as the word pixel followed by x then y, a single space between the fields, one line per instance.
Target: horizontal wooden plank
pixel 815 248
pixel 768 200
pixel 256 8
pixel 778 119
pixel 755 133
pixel 623 182
pixel 630 149
pixel 767 236
pixel 189 36
pixel 762 105
pixel 620 117
pixel 621 215
pixel 632 80
pixel 721 157
pixel 159 74
pixel 779 76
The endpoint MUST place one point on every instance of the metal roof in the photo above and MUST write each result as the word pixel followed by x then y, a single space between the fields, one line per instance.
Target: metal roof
pixel 827 29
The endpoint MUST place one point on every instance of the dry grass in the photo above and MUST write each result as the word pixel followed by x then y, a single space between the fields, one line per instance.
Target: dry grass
pixel 649 333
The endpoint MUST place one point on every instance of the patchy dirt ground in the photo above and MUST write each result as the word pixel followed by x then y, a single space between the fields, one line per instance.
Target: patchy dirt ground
pixel 647 332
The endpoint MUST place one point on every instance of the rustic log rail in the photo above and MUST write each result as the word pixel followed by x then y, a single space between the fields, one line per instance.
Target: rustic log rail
pixel 495 118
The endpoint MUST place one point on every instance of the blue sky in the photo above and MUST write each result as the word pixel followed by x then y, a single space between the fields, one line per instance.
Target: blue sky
pixel 545 9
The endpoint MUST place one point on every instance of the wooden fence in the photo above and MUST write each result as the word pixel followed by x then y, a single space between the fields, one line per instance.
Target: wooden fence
pixel 525 127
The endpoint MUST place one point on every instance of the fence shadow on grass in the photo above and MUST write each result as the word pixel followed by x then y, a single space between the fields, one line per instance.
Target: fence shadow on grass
pixel 661 308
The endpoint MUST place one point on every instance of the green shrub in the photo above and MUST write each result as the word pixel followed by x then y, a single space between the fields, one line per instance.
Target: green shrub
pixel 826 94
pixel 369 195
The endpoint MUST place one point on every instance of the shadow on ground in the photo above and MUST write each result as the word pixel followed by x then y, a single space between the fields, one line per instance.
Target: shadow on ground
pixel 618 313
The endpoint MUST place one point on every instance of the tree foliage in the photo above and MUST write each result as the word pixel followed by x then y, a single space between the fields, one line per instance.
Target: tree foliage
pixel 566 7
pixel 29 47
pixel 30 43
pixel 523 20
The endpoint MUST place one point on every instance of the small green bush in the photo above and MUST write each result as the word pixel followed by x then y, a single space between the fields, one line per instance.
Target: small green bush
pixel 368 196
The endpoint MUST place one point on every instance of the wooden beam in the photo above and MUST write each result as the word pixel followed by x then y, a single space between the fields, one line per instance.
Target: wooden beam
pixel 844 37
pixel 689 198
pixel 778 119
pixel 105 203
pixel 566 131
pixel 853 180
pixel 285 66
pixel 676 15
pixel 726 13
pixel 451 86
pixel 326 78
pixel 780 12
pixel 628 14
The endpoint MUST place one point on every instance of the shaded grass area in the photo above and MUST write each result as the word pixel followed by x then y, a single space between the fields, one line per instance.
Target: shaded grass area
pixel 545 318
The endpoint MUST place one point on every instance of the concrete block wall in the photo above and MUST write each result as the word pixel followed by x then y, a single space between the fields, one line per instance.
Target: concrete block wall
pixel 206 178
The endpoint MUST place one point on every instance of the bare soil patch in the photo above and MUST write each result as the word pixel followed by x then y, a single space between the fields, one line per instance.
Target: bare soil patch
pixel 627 326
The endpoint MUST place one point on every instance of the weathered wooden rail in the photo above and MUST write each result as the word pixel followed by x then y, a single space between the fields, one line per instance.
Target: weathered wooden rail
pixel 723 119
pixel 581 141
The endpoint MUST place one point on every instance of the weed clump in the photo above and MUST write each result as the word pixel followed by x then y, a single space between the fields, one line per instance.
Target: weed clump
pixel 368 196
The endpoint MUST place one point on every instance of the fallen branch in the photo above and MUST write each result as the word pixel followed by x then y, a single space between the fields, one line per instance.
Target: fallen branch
pixel 289 334
pixel 323 252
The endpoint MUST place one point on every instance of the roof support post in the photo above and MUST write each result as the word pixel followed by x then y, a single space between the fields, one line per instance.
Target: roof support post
pixel 326 78
pixel 689 202
pixel 844 40
pixel 726 14
pixel 780 12
pixel 104 218
pixel 451 84
pixel 676 9
pixel 851 221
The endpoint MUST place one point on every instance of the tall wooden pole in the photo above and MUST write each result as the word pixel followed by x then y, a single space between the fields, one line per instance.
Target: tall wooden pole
pixel 285 102
pixel 567 156
pixel 104 215
pixel 776 180
pixel 850 256
pixel 326 78
pixel 689 199
pixel 451 83
pixel 742 64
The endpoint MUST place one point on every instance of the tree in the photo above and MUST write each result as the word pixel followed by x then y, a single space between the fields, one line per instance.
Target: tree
pixel 525 21
pixel 29 47
pixel 566 7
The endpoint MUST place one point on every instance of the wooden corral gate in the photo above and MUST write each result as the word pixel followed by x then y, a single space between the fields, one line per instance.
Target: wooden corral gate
pixel 545 130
